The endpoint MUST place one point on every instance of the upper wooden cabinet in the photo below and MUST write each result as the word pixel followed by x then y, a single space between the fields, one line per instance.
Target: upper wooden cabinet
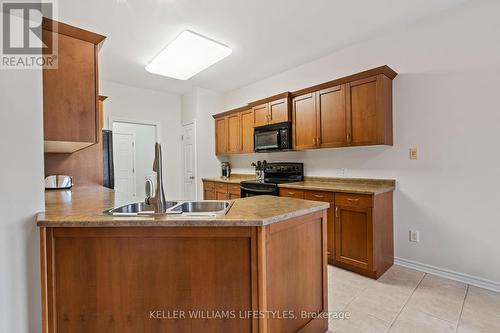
pixel 221 146
pixel 234 132
pixel 247 125
pixel 70 91
pixel 351 111
pixel 304 121
pixel 369 108
pixel 356 113
pixel 272 110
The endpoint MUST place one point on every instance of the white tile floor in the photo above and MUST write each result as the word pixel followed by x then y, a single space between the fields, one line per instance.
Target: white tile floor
pixel 405 300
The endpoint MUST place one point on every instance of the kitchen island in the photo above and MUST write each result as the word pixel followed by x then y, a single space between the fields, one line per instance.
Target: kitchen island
pixel 259 268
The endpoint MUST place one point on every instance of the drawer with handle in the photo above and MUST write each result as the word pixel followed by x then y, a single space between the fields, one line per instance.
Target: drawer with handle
pixel 356 200
pixel 233 188
pixel 221 187
pixel 319 196
pixel 291 193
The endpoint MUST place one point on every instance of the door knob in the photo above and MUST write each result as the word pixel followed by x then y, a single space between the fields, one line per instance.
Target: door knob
pixel 191 177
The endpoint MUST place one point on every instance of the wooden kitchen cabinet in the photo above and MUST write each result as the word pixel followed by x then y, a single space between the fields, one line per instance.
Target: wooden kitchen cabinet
pixel 355 110
pixel 304 121
pixel 272 110
pixel 331 117
pixel 369 111
pixel 208 190
pixel 234 133
pixel 364 233
pixel 221 134
pixel 291 193
pixel 70 91
pixel 220 191
pixel 247 125
pixel 328 197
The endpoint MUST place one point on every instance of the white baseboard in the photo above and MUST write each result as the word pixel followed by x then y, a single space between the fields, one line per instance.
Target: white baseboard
pixel 461 277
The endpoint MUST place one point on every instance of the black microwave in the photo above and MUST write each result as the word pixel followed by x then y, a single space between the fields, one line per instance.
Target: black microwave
pixel 274 137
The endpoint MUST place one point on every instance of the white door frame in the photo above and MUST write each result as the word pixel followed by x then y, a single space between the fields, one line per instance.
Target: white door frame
pixel 133 160
pixel 193 122
pixel 112 120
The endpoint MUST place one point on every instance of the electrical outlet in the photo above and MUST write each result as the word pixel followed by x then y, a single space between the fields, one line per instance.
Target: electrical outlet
pixel 342 172
pixel 414 236
pixel 413 154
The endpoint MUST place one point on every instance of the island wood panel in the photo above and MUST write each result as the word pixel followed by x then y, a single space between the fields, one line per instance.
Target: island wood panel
pixel 247 125
pixel 109 279
pixel 330 198
pixel 297 276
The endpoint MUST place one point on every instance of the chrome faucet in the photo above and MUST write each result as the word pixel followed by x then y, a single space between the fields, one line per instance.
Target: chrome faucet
pixel 158 201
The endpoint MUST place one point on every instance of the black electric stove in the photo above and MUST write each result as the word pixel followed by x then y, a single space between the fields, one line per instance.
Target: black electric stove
pixel 274 174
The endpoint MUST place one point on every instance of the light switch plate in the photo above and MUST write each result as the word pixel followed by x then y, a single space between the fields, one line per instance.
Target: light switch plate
pixel 414 236
pixel 413 154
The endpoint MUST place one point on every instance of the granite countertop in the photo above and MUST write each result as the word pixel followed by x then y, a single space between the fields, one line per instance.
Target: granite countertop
pixel 344 185
pixel 83 207
pixel 234 179
pixel 340 185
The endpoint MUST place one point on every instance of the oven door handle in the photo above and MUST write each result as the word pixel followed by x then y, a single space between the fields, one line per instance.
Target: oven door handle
pixel 256 191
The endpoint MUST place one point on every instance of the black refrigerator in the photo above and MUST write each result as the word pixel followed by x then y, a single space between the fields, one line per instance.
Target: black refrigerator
pixel 107 156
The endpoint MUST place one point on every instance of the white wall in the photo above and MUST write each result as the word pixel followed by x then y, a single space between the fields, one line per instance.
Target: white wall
pixel 199 105
pixel 137 104
pixel 446 104
pixel 21 197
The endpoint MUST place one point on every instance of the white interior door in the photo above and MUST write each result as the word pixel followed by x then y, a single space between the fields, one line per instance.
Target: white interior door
pixel 123 152
pixel 189 149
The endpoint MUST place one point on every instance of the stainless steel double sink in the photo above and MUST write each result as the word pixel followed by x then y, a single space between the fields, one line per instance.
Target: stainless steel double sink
pixel 208 208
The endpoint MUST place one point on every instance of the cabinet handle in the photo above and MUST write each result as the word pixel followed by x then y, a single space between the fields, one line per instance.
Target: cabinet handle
pixel 314 141
pixel 291 193
pixel 337 211
pixel 319 196
pixel 353 200
pixel 318 141
pixel 348 137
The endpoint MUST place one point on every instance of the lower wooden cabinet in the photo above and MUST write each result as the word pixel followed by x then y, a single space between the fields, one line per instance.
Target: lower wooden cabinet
pixel 220 191
pixel 364 240
pixel 359 229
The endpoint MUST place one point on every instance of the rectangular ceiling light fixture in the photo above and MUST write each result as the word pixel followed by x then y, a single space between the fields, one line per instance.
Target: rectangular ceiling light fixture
pixel 187 55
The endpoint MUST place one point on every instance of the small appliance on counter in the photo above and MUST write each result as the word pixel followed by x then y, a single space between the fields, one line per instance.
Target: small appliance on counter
pixel 58 182
pixel 226 170
pixel 273 174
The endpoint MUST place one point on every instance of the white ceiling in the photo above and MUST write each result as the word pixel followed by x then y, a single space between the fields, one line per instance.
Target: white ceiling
pixel 267 37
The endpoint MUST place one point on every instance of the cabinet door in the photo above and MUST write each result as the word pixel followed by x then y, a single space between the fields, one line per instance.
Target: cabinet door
pixel 304 121
pixel 330 223
pixel 69 92
pixel 279 111
pixel 331 117
pixel 221 135
pixel 354 236
pixel 247 120
pixel 261 114
pixel 221 195
pixel 362 110
pixel 234 133
pixel 209 194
